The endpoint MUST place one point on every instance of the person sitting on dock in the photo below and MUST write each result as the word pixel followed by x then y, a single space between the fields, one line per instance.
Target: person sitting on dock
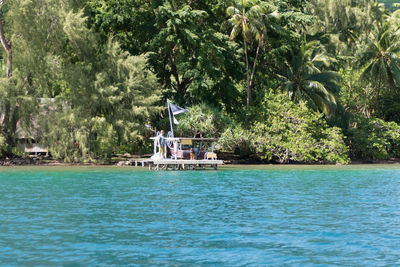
pixel 162 144
pixel 191 153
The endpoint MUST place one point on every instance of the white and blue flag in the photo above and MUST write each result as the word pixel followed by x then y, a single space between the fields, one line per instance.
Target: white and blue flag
pixel 175 110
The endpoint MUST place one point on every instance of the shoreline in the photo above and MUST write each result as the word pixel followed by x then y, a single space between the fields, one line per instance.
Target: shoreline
pixel 26 162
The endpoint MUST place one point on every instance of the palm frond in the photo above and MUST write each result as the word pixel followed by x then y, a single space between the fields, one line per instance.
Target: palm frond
pixel 230 11
pixel 288 86
pixel 255 11
pixel 321 97
pixel 394 67
pixel 235 31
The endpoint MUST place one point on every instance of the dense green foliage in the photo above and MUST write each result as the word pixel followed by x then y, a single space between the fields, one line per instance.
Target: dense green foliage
pixel 287 132
pixel 91 123
pixel 90 78
pixel 202 121
pixel 375 138
pixel 2 143
pixel 304 77
pixel 238 140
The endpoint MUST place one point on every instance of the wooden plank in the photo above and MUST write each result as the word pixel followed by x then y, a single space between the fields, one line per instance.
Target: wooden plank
pixel 186 142
pixel 182 164
pixel 188 138
pixel 187 161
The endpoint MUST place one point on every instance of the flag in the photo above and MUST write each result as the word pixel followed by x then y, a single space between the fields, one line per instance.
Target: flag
pixel 176 110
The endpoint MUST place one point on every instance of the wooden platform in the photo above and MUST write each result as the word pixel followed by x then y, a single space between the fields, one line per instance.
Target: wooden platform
pixel 180 164
pixel 184 164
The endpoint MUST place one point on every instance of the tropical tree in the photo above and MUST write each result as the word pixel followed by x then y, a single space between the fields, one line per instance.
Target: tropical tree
pixel 342 23
pixel 304 77
pixel 287 131
pixel 101 96
pixel 6 104
pixel 187 51
pixel 380 56
pixel 202 120
pixel 30 38
pixel 4 42
pixel 109 96
pixel 247 17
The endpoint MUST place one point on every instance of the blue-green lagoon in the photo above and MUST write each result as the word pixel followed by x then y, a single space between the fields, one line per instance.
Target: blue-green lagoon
pixel 280 216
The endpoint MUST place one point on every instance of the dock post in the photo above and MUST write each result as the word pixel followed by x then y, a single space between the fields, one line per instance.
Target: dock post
pixel 176 150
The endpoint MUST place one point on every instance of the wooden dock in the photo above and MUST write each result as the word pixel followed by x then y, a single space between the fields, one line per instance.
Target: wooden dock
pixel 172 164
pixel 184 164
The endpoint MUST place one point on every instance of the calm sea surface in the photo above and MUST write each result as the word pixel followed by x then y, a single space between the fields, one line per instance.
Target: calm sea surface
pixel 280 216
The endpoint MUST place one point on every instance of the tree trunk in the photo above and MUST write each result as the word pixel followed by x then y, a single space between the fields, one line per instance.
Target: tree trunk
pixel 182 83
pixel 9 120
pixel 254 66
pixel 390 79
pixel 247 76
pixel 293 93
pixel 6 44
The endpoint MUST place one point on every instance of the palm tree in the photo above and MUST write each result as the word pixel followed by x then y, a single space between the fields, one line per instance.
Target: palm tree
pixel 343 22
pixel 380 56
pixel 247 18
pixel 304 77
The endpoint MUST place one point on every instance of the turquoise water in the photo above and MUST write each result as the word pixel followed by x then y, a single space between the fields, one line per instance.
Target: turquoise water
pixel 273 216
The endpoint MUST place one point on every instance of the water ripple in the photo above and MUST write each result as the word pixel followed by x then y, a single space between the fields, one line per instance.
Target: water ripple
pixel 109 217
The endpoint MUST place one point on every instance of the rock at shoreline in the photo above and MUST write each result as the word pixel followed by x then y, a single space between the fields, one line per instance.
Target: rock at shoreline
pixel 124 163
pixel 17 162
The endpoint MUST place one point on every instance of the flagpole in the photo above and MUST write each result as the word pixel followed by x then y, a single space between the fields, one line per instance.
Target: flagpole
pixel 170 120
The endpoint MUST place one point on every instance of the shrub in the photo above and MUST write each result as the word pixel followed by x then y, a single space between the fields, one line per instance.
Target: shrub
pixel 74 138
pixel 388 107
pixel 333 146
pixel 288 131
pixel 237 140
pixel 3 145
pixel 373 138
pixel 203 121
